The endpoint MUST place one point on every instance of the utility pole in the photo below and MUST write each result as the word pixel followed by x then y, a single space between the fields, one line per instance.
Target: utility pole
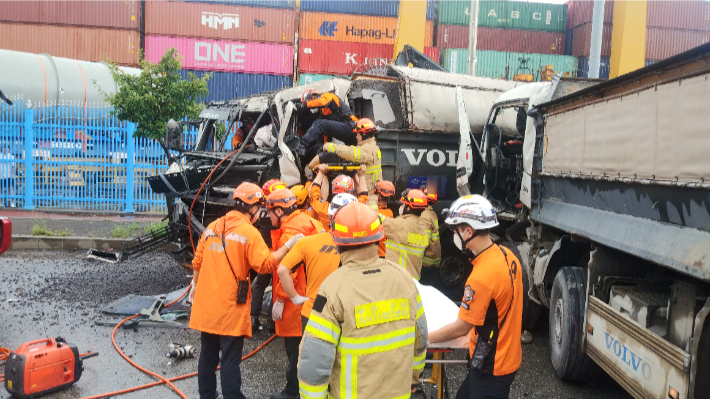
pixel 472 37
pixel 595 50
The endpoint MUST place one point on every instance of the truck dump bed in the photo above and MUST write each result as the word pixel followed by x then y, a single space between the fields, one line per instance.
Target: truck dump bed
pixel 625 163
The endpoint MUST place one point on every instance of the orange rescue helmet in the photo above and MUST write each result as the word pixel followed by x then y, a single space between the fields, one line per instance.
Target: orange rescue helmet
pixel 356 224
pixel 271 186
pixel 365 126
pixel 301 193
pixel 281 198
pixel 431 198
pixel 385 188
pixel 414 198
pixel 306 97
pixel 248 193
pixel 343 184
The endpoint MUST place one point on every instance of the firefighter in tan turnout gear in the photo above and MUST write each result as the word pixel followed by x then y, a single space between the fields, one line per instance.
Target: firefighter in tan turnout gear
pixel 367 333
pixel 407 237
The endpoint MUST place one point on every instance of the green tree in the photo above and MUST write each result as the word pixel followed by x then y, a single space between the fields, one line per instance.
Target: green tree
pixel 156 95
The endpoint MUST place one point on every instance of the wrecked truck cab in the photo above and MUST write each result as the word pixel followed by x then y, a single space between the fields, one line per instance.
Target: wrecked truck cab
pixel 426 121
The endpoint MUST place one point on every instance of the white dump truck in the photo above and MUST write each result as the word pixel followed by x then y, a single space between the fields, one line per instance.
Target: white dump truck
pixel 606 192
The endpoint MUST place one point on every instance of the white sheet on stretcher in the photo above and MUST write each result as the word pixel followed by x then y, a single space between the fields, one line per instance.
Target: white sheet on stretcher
pixel 440 311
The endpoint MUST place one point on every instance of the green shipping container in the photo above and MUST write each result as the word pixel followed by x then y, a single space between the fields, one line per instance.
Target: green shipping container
pixel 503 65
pixel 307 78
pixel 507 14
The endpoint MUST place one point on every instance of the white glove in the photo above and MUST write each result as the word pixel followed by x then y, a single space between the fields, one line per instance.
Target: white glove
pixel 293 240
pixel 277 310
pixel 191 295
pixel 299 300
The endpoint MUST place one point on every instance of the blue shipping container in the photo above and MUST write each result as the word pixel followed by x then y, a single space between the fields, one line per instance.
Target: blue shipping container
pixel 569 37
pixel 583 68
pixel 229 85
pixel 384 8
pixel 307 78
pixel 252 3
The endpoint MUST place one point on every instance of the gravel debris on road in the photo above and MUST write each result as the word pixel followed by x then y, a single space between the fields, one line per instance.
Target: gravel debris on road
pixel 60 293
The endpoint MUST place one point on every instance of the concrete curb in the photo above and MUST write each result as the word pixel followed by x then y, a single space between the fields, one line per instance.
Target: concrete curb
pixel 23 242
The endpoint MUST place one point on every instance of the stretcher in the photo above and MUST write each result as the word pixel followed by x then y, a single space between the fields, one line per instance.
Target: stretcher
pixel 440 311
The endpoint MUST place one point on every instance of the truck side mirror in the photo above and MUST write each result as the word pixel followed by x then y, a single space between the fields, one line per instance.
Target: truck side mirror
pixel 174 139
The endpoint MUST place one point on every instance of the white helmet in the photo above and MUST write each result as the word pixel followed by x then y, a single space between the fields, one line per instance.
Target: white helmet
pixel 473 210
pixel 339 201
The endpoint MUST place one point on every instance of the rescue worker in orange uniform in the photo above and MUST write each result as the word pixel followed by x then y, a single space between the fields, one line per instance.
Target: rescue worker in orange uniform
pixel 227 250
pixel 341 184
pixel 336 119
pixel 491 312
pixel 384 189
pixel 432 253
pixel 263 280
pixel 302 202
pixel 365 152
pixel 367 333
pixel 318 257
pixel 289 221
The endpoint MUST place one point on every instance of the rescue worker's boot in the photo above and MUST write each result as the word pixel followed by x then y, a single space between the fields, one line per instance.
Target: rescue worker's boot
pixel 255 325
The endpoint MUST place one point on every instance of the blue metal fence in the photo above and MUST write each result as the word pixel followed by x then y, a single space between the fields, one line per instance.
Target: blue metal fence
pixel 76 157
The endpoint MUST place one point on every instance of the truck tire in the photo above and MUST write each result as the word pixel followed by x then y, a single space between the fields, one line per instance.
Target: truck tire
pixel 531 309
pixel 567 325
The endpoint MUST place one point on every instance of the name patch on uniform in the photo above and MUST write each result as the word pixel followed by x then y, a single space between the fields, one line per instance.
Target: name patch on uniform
pixel 381 312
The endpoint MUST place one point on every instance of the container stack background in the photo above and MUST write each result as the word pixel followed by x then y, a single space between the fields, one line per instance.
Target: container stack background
pixel 337 37
pixel 83 30
pixel 513 37
pixel 252 46
pixel 672 27
pixel 248 49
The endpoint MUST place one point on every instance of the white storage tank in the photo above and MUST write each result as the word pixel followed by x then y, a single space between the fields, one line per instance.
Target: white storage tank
pixel 42 78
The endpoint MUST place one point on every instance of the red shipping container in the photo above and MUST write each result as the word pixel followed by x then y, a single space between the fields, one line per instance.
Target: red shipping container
pixel 582 40
pixel 690 15
pixel 340 58
pixel 88 44
pixel 216 21
pixel 663 43
pixel 581 11
pixel 433 53
pixel 104 14
pixel 497 39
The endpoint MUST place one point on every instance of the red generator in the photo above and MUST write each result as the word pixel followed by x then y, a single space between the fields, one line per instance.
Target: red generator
pixel 40 367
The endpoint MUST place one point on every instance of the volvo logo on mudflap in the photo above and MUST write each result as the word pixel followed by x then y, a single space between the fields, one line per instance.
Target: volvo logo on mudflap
pixel 433 157
pixel 628 356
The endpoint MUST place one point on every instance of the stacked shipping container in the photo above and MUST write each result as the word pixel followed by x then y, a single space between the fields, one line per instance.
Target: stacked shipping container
pixel 84 30
pixel 511 36
pixel 336 37
pixel 249 49
pixel 672 27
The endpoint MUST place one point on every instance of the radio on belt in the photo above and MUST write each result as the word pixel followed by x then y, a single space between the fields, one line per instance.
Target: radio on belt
pixel 40 367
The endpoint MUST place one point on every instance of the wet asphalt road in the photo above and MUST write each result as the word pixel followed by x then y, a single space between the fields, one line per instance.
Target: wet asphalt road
pixel 59 293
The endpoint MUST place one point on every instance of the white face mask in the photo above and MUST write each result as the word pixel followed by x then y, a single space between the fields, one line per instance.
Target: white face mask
pixel 457 241
pixel 401 210
pixel 314 110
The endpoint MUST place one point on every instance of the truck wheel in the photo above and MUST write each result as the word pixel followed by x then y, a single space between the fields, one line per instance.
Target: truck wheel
pixel 531 310
pixel 567 323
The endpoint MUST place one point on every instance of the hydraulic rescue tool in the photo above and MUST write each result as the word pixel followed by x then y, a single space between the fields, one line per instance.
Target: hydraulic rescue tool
pixel 43 366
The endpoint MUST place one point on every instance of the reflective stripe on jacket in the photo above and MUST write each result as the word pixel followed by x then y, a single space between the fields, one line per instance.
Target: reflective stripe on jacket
pixel 432 253
pixel 366 329
pixel 406 241
pixel 367 152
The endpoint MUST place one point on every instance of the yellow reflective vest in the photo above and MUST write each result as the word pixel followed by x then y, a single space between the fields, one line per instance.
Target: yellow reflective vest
pixel 366 336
